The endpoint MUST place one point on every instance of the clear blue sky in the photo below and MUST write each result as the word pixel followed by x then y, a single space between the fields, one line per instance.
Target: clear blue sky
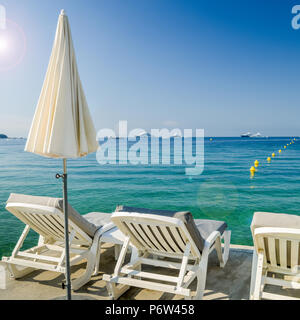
pixel 225 66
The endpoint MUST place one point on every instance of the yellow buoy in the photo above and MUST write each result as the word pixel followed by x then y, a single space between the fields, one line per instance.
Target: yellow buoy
pixel 284 147
pixel 279 151
pixel 269 159
pixel 256 163
pixel 252 170
pixel 210 139
pixel 273 154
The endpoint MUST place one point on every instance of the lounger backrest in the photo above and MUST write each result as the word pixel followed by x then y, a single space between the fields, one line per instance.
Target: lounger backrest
pixel 48 222
pixel 278 236
pixel 280 246
pixel 45 216
pixel 155 234
pixel 184 216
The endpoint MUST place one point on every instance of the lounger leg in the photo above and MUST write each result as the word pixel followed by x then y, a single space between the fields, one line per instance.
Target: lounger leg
pixel 17 272
pixel 258 277
pixel 218 247
pixel 115 291
pixel 81 281
pixel 98 257
pixel 111 290
pixel 4 275
pixel 117 251
pixel 223 254
pixel 253 274
pixel 134 254
pixel 227 236
pixel 201 280
pixel 91 263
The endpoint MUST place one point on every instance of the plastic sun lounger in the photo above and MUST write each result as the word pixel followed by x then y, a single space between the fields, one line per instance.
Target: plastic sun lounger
pixel 45 216
pixel 159 240
pixel 276 240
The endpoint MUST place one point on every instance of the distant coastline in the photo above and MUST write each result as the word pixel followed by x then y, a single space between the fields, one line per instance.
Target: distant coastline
pixel 4 136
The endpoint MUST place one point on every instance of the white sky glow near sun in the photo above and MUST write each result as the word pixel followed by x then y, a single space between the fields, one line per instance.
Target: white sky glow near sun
pixel 4 45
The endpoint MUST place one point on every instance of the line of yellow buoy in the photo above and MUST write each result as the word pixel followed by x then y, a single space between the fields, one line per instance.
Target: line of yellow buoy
pixel 256 163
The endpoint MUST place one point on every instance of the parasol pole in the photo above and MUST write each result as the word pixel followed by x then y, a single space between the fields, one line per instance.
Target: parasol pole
pixel 64 176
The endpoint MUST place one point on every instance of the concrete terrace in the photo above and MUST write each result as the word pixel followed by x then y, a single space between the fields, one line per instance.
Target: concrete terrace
pixel 230 283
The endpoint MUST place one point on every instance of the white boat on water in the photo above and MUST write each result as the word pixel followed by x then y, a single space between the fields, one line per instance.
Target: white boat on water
pixel 176 134
pixel 138 133
pixel 250 135
pixel 246 135
pixel 257 135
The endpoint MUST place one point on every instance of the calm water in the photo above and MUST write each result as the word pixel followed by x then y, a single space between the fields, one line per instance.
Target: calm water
pixel 224 191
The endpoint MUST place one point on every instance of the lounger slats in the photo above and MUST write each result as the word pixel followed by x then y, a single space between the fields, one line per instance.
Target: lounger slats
pixel 294 254
pixel 283 252
pixel 50 226
pixel 272 251
pixel 154 239
pixel 136 234
pixel 178 238
pixel 162 241
pixel 157 238
pixel 36 226
pixel 56 222
pixel 261 244
pixel 275 261
pixel 182 237
pixel 163 237
pixel 145 233
pixel 59 223
pixel 166 234
pixel 279 251
pixel 36 223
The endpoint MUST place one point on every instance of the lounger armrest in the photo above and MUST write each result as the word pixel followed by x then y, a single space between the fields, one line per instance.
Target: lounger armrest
pixel 210 241
pixel 106 227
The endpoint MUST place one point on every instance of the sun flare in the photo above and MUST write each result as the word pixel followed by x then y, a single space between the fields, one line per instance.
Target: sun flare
pixel 3 44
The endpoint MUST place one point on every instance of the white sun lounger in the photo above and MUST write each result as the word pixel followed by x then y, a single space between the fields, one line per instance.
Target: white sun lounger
pixel 159 239
pixel 45 216
pixel 276 240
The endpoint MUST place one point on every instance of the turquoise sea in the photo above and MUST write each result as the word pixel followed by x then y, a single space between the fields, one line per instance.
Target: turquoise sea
pixel 224 191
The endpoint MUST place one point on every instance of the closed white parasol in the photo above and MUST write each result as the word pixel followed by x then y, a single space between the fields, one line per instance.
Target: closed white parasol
pixel 62 126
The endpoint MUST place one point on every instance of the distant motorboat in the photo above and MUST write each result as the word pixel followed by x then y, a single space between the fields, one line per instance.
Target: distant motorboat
pixel 250 135
pixel 257 135
pixel 138 133
pixel 246 135
pixel 176 134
